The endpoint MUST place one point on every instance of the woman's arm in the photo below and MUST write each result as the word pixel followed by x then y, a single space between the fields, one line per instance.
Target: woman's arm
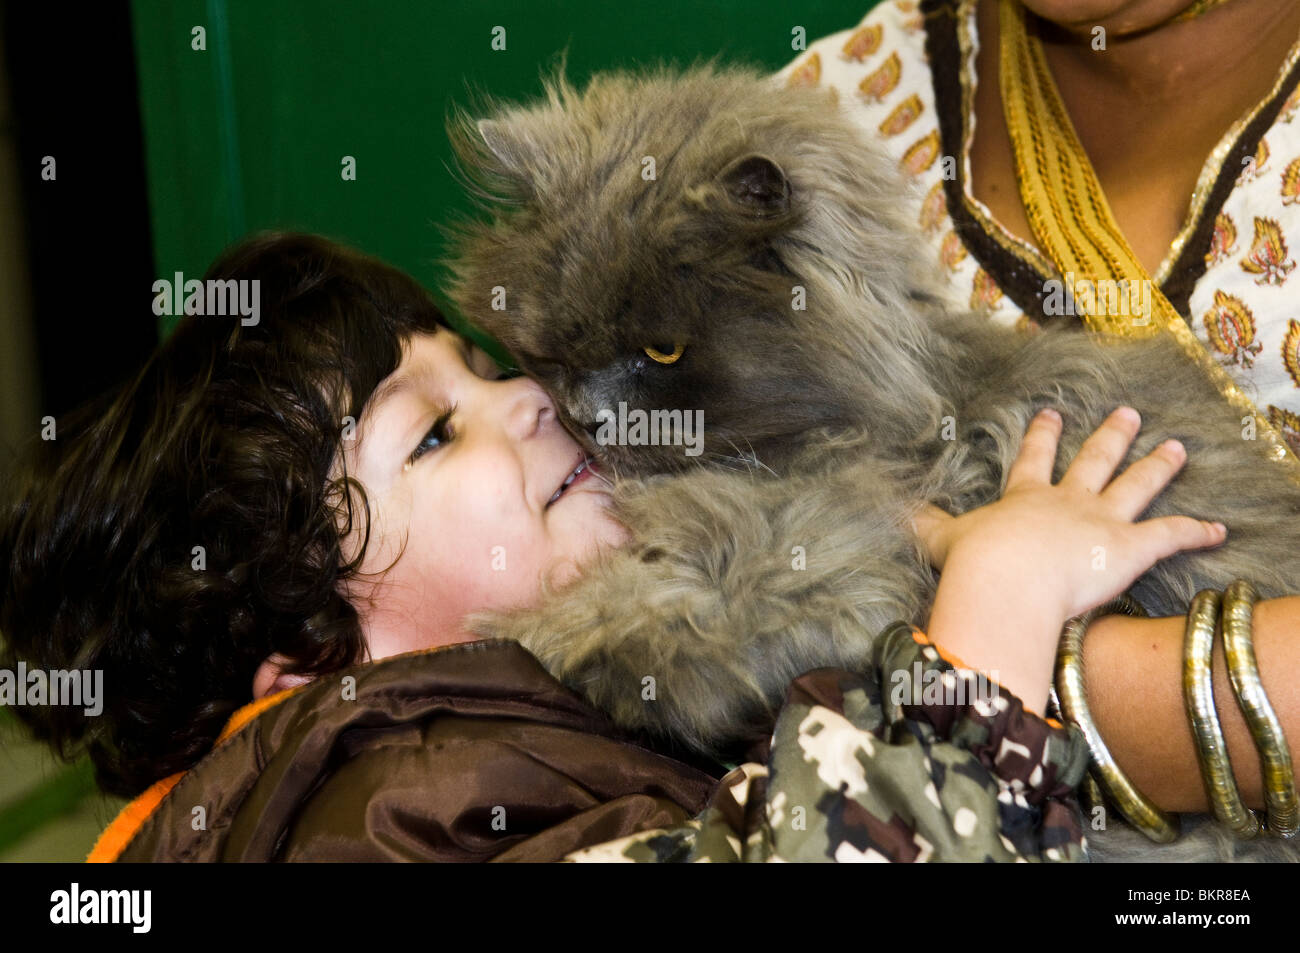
pixel 1133 673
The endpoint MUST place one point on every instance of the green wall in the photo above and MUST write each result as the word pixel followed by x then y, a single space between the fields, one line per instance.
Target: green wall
pixel 250 133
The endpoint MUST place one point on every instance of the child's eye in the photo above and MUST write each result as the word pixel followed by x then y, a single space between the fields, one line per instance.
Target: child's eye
pixel 439 434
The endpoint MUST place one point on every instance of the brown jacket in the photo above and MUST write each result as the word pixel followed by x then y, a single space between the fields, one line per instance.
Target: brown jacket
pixel 466 753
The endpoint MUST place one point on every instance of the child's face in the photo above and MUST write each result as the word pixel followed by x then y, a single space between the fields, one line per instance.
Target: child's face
pixel 474 507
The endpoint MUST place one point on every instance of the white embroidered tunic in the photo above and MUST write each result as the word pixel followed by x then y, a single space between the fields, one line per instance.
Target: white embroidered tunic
pixel 907 76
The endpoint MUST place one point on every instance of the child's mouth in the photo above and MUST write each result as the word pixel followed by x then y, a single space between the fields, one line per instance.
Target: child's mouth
pixel 579 473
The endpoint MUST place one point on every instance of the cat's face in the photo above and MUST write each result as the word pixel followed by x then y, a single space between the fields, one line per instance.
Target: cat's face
pixel 640 277
pixel 669 338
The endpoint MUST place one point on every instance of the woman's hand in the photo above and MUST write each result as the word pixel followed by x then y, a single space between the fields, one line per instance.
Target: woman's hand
pixel 1077 537
pixel 1016 569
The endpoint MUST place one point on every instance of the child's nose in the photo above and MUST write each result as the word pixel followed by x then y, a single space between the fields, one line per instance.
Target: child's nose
pixel 528 409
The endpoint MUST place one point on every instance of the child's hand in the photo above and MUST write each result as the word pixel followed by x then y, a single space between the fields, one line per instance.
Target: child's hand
pixel 1016 569
pixel 1076 539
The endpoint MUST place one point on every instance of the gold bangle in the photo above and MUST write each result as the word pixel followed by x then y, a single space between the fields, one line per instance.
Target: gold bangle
pixel 1070 699
pixel 1090 796
pixel 1089 792
pixel 1243 671
pixel 1198 697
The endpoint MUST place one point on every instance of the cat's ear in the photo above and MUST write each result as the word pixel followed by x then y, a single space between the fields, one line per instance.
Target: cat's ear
pixel 758 184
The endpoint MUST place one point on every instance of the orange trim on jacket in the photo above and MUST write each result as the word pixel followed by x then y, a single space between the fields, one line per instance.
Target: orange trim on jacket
pixel 128 822
pixel 919 637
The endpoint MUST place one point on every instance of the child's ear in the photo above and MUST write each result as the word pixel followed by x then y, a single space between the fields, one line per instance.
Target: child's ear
pixel 270 677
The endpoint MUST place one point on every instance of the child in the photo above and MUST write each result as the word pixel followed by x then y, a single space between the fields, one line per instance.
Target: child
pixel 344 481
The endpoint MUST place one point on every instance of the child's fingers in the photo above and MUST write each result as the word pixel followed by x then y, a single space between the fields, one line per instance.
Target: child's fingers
pixel 1101 453
pixel 1133 490
pixel 1037 456
pixel 1174 534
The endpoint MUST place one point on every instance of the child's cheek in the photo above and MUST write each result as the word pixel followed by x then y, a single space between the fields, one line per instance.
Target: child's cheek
pixel 502 571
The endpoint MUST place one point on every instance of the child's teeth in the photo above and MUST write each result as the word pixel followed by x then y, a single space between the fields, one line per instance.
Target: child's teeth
pixel 574 475
pixel 569 479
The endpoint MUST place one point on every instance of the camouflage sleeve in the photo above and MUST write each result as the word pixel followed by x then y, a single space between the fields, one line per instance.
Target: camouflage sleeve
pixel 914 760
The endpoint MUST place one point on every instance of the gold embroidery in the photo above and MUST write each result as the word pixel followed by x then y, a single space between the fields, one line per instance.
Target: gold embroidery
pixel 902 116
pixel 952 251
pixel 807 73
pixel 1288 424
pixel 985 293
pixel 965 16
pixel 881 82
pixel 1071 218
pixel 1223 241
pixel 1291 106
pixel 1291 351
pixel 1017 246
pixel 921 154
pixel 1214 164
pixel 1267 255
pixel 1231 329
pixel 1255 165
pixel 933 209
pixel 1063 202
pixel 1291 183
pixel 863 42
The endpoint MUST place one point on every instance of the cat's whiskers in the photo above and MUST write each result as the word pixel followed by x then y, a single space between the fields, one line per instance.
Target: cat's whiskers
pixel 749 459
pixel 757 462
pixel 719 458
pixel 745 463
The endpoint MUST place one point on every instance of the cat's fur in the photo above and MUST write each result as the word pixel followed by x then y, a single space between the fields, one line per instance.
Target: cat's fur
pixel 824 427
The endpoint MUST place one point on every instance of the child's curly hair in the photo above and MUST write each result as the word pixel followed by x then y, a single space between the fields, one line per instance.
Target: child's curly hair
pixel 225 440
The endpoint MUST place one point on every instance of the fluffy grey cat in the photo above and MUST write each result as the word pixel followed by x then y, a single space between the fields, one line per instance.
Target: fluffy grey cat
pixel 706 241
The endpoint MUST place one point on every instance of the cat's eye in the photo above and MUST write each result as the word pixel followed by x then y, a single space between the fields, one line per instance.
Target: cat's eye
pixel 665 356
